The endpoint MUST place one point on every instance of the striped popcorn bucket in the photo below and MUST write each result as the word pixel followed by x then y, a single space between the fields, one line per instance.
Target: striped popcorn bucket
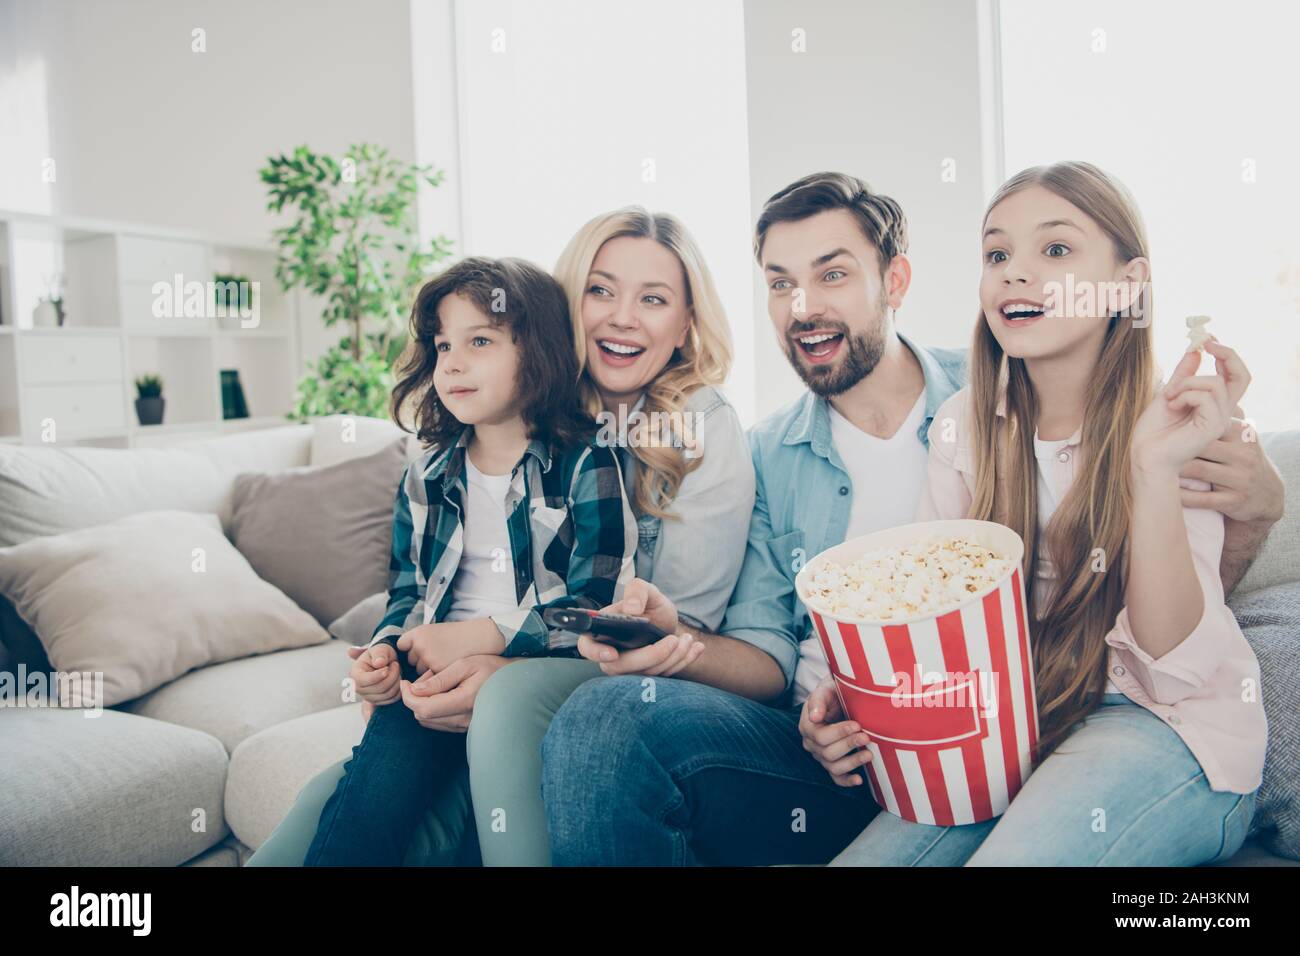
pixel 947 700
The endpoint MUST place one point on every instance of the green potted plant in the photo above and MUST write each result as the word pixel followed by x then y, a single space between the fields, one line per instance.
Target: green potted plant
pixel 233 296
pixel 353 241
pixel 149 401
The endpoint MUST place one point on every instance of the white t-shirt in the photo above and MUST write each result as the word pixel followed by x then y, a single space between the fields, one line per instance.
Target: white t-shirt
pixel 1045 574
pixel 485 578
pixel 887 475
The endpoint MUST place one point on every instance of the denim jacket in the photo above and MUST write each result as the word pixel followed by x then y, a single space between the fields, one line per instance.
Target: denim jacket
pixel 802 500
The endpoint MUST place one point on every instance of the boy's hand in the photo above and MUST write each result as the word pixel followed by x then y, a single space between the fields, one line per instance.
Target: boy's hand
pixel 375 673
pixel 435 647
pixel 830 739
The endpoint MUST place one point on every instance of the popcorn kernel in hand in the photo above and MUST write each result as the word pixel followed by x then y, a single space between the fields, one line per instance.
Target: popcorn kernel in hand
pixel 1196 334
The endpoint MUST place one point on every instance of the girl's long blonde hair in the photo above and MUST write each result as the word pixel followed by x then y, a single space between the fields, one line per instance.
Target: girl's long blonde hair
pixel 1070 652
pixel 705 359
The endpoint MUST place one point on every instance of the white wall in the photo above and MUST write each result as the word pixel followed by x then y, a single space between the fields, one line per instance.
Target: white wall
pixel 144 130
pixel 887 92
pixel 557 127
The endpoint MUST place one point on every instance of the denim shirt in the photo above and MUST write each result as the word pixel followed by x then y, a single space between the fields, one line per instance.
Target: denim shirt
pixel 695 561
pixel 802 501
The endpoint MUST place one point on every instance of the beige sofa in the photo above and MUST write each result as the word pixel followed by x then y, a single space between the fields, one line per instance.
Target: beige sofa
pixel 237 739
pixel 240 738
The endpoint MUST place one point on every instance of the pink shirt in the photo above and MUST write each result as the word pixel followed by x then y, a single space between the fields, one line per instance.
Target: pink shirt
pixel 1207 688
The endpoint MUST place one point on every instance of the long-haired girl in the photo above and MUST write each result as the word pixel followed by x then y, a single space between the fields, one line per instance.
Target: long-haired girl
pixel 1152 731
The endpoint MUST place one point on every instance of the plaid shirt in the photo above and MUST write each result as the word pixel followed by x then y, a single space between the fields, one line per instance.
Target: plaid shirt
pixel 572 537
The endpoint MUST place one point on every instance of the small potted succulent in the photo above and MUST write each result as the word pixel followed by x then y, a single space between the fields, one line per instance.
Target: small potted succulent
pixel 149 401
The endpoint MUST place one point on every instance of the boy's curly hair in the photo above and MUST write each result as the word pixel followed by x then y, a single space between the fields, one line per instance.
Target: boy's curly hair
pixel 512 294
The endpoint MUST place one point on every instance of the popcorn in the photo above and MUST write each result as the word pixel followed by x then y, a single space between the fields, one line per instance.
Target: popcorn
pixel 1196 334
pixel 898 583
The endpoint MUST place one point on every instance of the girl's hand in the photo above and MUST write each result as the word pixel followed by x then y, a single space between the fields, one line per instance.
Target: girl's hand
pixel 1186 415
pixel 445 700
pixel 367 709
pixel 832 740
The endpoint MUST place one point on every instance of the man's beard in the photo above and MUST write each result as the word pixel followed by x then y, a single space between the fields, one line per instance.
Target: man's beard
pixel 862 353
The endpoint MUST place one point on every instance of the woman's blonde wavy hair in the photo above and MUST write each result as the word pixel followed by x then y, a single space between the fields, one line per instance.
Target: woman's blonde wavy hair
pixel 1069 647
pixel 705 359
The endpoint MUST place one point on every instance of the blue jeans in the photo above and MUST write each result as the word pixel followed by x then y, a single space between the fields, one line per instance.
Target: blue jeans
pixel 646 771
pixel 1122 790
pixel 396 773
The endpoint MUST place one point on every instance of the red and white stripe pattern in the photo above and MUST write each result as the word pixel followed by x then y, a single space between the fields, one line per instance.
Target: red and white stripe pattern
pixel 965 759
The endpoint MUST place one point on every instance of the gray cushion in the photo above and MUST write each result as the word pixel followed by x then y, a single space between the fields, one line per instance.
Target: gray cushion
pixel 1278 562
pixel 359 624
pixel 1270 620
pixel 113 790
pixel 229 852
pixel 127 600
pixel 322 535
pixel 237 699
pixel 268 770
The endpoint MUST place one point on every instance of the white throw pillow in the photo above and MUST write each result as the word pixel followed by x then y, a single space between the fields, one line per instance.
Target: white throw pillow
pixel 145 598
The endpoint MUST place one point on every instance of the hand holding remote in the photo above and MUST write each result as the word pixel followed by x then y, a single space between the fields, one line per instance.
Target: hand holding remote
pixel 664 658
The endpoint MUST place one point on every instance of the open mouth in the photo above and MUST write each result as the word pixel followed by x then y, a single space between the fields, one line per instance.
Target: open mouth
pixel 1022 311
pixel 619 348
pixel 819 345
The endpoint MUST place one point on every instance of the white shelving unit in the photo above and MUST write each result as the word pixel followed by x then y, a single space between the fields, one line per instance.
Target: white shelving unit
pixel 78 380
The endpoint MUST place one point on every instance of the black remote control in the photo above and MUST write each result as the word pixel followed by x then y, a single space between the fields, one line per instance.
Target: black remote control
pixel 623 631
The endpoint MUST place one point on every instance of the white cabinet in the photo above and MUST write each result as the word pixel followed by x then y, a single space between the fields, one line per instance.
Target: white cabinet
pixel 121 324
pixel 72 358
pixel 160 260
pixel 75 409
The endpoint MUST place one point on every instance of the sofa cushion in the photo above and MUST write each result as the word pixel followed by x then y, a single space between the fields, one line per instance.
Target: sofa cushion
pixel 1270 619
pixel 268 770
pixel 336 438
pixel 360 622
pixel 237 699
pixel 228 853
pixel 112 790
pixel 322 535
pixel 1278 562
pixel 45 491
pixel 131 600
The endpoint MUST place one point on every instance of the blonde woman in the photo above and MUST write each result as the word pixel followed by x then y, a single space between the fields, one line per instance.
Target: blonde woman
pixel 653 346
